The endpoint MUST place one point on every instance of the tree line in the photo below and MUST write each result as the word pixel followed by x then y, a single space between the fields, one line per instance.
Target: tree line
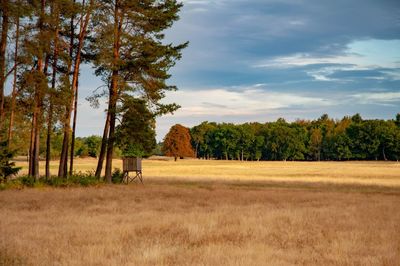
pixel 42 48
pixel 351 138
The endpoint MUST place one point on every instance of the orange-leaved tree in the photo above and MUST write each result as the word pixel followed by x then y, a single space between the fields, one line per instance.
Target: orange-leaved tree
pixel 177 142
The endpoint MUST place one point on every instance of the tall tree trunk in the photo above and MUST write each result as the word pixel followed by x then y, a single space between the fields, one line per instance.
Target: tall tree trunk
pixel 103 147
pixel 3 50
pixel 62 172
pixel 71 163
pixel 112 109
pixel 35 131
pixel 53 87
pixel 383 153
pixel 48 137
pixel 37 143
pixel 113 91
pixel 31 146
pixel 62 167
pixel 14 89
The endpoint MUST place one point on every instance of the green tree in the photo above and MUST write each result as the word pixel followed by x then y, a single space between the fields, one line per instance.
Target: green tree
pixel 284 142
pixel 198 135
pixel 225 138
pixel 257 144
pixel 357 118
pixel 364 140
pixel 341 147
pixel 315 143
pixel 81 148
pixel 83 13
pixel 36 48
pixel 132 58
pixel 5 17
pixel 93 144
pixel 397 121
pixel 135 136
pixel 202 140
pixel 7 168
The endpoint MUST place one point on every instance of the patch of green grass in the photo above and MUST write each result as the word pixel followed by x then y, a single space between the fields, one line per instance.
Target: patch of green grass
pixel 76 179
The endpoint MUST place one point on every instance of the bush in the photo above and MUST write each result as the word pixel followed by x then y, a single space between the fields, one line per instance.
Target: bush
pixel 56 182
pixel 27 181
pixel 76 179
pixel 7 168
pixel 83 179
pixel 117 176
pixel 12 184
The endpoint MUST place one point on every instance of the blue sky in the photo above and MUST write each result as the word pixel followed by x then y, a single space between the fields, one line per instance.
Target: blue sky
pixel 258 60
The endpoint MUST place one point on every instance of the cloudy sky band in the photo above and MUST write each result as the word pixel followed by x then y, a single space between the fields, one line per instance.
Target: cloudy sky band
pixel 257 60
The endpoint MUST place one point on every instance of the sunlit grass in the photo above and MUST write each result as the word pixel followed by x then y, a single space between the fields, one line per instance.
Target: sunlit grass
pixel 198 224
pixel 196 212
pixel 364 173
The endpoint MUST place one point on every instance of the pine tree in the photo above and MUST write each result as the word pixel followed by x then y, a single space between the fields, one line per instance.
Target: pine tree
pixel 136 136
pixel 86 10
pixel 5 8
pixel 131 58
pixel 14 89
pixel 37 48
pixel 7 168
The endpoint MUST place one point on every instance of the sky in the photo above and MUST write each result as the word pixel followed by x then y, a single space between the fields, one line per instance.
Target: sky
pixel 259 60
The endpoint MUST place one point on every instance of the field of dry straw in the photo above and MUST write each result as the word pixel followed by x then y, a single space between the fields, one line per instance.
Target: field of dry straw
pixel 208 213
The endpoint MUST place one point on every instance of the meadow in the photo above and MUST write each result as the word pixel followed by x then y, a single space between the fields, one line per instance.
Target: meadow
pixel 374 173
pixel 195 212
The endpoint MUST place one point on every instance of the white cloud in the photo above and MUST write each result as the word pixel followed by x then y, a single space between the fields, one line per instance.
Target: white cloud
pixel 304 59
pixel 244 101
pixel 360 55
pixel 197 2
pixel 377 97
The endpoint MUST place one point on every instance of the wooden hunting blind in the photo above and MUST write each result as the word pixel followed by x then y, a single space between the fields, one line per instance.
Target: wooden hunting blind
pixel 132 164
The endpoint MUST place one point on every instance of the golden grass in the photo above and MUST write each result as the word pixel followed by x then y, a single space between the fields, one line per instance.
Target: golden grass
pixel 195 212
pixel 164 223
pixel 358 173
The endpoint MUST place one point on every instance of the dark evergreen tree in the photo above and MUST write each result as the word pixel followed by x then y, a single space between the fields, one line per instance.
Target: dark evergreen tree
pixel 7 168
pixel 131 57
pixel 135 136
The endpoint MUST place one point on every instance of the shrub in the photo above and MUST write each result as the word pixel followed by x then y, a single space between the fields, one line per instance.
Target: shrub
pixel 76 179
pixel 83 179
pixel 7 168
pixel 56 182
pixel 27 181
pixel 117 176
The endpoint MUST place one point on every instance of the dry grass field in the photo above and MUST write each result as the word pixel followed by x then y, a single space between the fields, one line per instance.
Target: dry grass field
pixel 358 173
pixel 212 213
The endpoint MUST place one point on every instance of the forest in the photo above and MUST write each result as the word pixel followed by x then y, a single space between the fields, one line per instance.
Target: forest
pixel 44 44
pixel 350 138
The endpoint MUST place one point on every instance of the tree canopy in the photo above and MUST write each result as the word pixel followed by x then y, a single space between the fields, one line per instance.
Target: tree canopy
pixel 136 133
pixel 322 139
pixel 42 46
pixel 177 143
